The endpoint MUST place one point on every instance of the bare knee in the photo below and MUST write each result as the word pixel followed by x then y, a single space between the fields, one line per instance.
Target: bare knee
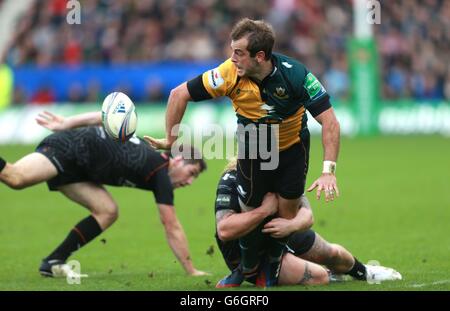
pixel 340 260
pixel 107 215
pixel 296 271
pixel 322 277
pixel 14 178
pixel 111 213
pixel 334 253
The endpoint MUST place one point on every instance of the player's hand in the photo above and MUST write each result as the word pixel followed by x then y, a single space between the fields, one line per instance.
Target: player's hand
pixel 278 228
pixel 51 121
pixel 158 143
pixel 270 203
pixel 327 183
pixel 199 273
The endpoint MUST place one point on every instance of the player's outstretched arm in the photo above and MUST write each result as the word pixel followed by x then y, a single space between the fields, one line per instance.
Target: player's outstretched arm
pixel 330 141
pixel 176 106
pixel 57 123
pixel 231 225
pixel 177 239
pixel 281 227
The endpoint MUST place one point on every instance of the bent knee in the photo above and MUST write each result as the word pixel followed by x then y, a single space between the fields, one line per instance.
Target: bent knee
pixel 333 254
pixel 339 260
pixel 296 271
pixel 112 213
pixel 107 214
pixel 16 181
pixel 323 277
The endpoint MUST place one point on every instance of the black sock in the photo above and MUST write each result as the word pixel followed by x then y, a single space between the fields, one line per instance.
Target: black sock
pixel 85 231
pixel 358 271
pixel 2 164
pixel 276 250
pixel 251 245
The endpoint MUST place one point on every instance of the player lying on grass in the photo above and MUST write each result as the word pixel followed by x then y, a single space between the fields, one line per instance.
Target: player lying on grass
pixel 78 161
pixel 305 252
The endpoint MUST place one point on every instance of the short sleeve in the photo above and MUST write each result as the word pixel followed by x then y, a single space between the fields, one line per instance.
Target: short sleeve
pixel 316 98
pixel 226 195
pixel 220 80
pixel 162 188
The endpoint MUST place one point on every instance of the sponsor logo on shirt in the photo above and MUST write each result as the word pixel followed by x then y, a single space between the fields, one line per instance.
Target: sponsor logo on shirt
pixel 215 79
pixel 314 88
pixel 223 200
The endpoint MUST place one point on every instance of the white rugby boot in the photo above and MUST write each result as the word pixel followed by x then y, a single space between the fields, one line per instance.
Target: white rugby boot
pixel 378 274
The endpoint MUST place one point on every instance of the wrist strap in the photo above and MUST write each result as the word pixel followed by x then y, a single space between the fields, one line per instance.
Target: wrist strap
pixel 329 167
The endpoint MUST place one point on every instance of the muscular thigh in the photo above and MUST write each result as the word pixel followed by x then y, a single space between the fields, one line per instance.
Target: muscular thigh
pixel 252 182
pixel 90 195
pixel 34 168
pixel 291 175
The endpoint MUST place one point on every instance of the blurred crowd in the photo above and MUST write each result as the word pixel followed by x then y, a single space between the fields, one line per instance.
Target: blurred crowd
pixel 413 38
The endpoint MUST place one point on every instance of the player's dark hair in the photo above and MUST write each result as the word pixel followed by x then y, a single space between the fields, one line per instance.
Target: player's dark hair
pixel 260 36
pixel 190 155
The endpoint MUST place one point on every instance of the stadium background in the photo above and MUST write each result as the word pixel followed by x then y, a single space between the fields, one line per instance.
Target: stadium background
pixel 391 93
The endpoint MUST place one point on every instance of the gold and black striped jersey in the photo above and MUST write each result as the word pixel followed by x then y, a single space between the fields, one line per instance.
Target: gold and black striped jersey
pixel 280 98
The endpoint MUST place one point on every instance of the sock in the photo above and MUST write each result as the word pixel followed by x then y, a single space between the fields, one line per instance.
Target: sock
pixel 85 231
pixel 251 245
pixel 2 164
pixel 276 250
pixel 358 271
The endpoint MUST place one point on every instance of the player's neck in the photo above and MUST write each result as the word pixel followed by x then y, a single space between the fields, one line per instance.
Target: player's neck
pixel 266 69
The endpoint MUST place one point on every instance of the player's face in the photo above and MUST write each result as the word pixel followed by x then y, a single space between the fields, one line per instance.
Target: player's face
pixel 240 57
pixel 182 175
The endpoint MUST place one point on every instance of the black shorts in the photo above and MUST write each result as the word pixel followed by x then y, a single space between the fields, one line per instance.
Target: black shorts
pixel 288 179
pixel 300 243
pixel 61 152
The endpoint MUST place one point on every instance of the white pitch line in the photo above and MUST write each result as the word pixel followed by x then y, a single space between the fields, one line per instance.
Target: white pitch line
pixel 430 284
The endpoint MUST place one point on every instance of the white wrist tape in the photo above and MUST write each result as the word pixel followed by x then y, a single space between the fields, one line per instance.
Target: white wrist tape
pixel 329 167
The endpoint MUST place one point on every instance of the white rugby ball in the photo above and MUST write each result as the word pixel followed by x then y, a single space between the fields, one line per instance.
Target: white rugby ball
pixel 119 116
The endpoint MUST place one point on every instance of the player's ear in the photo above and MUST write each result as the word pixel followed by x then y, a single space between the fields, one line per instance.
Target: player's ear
pixel 178 159
pixel 260 56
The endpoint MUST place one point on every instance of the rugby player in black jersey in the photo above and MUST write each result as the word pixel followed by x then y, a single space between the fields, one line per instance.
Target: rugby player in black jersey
pixel 305 251
pixel 78 160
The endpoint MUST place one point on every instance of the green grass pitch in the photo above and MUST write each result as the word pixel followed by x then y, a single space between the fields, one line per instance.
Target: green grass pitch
pixel 394 208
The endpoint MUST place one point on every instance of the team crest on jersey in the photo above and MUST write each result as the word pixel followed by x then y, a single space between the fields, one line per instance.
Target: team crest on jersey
pixel 280 93
pixel 215 79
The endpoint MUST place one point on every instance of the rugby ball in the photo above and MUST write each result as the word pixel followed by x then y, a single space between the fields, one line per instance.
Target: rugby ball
pixel 119 116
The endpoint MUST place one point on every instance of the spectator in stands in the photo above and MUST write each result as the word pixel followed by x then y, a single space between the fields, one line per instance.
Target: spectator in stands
pixel 315 31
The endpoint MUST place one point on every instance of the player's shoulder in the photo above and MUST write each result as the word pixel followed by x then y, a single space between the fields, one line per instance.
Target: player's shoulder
pixel 227 70
pixel 290 67
pixel 227 182
pixel 218 80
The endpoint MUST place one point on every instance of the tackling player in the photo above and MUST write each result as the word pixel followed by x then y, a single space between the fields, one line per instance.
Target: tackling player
pixel 305 252
pixel 78 161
